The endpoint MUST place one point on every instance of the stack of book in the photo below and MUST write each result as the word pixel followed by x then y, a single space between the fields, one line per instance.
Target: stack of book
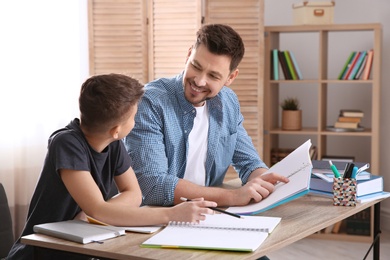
pixel 288 64
pixel 349 119
pixel 369 187
pixel 357 66
pixel 278 154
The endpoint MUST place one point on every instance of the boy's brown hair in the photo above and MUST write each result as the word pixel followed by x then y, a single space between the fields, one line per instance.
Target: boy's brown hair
pixel 105 100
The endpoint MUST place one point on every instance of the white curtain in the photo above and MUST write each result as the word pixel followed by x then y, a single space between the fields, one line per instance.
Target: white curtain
pixel 43 62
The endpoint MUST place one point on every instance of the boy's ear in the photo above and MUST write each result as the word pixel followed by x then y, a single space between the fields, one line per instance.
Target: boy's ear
pixel 114 132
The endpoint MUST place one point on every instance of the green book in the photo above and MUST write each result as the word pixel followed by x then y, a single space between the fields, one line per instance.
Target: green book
pixel 290 65
pixel 345 67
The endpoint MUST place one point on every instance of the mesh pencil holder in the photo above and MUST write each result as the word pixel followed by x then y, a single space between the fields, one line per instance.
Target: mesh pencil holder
pixel 344 192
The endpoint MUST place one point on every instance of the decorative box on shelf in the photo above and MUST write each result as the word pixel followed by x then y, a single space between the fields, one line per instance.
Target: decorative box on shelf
pixel 313 12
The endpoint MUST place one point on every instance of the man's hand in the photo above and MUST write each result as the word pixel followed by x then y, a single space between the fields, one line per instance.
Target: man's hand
pixel 257 188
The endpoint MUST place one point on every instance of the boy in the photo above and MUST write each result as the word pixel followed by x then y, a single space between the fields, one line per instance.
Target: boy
pixel 86 157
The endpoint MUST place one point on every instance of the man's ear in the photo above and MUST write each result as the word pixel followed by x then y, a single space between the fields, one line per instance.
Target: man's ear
pixel 231 77
pixel 114 132
pixel 189 53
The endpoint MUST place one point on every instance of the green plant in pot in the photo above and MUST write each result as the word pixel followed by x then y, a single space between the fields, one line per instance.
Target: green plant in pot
pixel 291 114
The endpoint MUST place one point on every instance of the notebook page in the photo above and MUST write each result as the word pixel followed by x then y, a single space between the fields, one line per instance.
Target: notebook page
pixel 297 167
pixel 211 234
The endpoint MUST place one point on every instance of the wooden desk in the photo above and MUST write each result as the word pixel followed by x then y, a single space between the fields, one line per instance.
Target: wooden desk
pixel 300 218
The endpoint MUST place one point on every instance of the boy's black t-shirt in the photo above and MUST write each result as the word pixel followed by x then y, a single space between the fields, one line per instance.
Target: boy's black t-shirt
pixel 51 201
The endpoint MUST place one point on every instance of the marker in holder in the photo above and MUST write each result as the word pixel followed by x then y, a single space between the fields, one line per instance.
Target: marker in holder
pixel 344 192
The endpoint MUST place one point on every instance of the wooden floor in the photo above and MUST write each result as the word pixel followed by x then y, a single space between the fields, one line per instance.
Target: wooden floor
pixel 318 249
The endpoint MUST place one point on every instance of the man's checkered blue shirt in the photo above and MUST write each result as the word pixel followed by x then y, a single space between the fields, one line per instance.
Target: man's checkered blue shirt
pixel 158 144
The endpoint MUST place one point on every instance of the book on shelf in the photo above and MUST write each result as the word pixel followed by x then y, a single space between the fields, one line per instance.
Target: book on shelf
pixel 140 229
pixel 216 232
pixel 350 65
pixel 363 187
pixel 357 65
pixel 349 125
pixel 277 154
pixel 284 66
pixel 297 167
pixel 290 65
pixel 361 69
pixel 359 223
pixel 346 65
pixel 349 119
pixel 351 113
pixel 274 64
pixel 79 231
pixel 336 227
pixel 367 68
pixel 295 64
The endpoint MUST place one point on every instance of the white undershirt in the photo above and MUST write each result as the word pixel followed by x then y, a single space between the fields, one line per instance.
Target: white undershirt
pixel 197 147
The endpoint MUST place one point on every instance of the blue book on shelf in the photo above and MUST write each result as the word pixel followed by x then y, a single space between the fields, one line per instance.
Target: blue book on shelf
pixel 356 68
pixel 275 59
pixel 294 61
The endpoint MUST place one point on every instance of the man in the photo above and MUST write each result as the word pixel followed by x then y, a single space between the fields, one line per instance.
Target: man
pixel 189 130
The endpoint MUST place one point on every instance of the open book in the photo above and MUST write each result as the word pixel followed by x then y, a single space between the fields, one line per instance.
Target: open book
pixel 297 167
pixel 79 231
pixel 217 232
pixel 141 229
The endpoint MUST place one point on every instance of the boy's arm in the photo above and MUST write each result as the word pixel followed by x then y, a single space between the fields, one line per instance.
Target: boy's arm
pixel 119 211
pixel 88 196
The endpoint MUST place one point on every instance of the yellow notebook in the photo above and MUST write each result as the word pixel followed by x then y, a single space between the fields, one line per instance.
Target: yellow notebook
pixel 144 229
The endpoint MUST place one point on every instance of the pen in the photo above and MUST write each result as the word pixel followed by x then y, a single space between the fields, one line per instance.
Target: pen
pixel 217 209
pixel 354 172
pixel 363 168
pixel 334 169
pixel 348 170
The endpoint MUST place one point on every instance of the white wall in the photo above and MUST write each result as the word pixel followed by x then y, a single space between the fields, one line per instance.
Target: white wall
pixel 279 12
pixel 43 61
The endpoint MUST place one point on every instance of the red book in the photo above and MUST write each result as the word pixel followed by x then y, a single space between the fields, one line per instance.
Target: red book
pixel 367 68
pixel 353 63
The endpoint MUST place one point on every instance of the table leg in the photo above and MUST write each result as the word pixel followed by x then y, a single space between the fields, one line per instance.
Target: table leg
pixel 377 230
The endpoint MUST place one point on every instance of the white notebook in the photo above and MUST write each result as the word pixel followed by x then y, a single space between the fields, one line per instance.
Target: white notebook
pixel 217 232
pixel 79 231
pixel 297 167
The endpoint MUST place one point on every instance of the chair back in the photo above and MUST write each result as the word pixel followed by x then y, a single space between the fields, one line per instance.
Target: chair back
pixel 6 230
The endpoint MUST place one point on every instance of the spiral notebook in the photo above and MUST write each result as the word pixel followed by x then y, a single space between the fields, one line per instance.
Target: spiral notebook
pixel 217 232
